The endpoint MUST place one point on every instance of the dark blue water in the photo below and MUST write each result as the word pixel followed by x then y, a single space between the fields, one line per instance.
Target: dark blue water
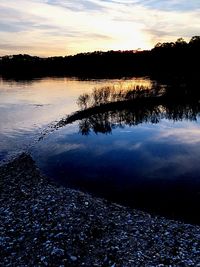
pixel 154 167
pixel 147 159
pixel 28 107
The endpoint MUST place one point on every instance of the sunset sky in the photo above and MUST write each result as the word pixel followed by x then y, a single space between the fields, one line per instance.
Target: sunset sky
pixel 63 27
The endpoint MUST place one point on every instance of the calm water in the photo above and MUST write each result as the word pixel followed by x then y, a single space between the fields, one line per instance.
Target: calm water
pixel 149 159
pixel 28 107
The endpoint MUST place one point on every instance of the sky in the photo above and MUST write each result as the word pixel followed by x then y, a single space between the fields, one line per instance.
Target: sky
pixel 66 27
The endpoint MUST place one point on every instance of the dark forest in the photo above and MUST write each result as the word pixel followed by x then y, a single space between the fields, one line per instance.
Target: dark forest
pixel 178 59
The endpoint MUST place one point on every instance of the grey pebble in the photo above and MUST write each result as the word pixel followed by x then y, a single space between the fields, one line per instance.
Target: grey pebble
pixel 43 224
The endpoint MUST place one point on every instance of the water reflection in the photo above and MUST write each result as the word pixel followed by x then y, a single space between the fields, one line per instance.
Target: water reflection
pixel 150 161
pixel 28 106
pixel 105 122
pixel 148 166
pixel 107 108
pixel 38 102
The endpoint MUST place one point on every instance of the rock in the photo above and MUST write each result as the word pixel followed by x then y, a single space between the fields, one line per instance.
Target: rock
pixel 73 258
pixel 57 252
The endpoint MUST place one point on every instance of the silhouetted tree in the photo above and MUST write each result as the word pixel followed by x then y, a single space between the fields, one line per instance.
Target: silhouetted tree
pixel 132 107
pixel 168 59
pixel 83 101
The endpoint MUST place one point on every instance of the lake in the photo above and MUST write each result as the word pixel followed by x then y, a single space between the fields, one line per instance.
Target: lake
pixel 147 159
pixel 27 107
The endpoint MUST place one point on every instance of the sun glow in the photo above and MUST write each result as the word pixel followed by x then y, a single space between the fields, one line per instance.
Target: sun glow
pixel 58 27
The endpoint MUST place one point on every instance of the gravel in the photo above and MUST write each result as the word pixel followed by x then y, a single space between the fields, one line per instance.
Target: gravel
pixel 44 224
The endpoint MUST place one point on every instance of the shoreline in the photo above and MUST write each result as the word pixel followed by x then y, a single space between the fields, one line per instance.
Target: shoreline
pixel 45 224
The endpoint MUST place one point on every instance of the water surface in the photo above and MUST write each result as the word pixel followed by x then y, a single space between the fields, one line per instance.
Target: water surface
pixel 28 107
pixel 147 158
pixel 148 161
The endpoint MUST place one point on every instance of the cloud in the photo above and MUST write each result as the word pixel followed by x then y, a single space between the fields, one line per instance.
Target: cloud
pixel 44 27
pixel 181 135
pixel 77 5
pixel 4 27
pixel 177 5
pixel 174 5
pixel 168 151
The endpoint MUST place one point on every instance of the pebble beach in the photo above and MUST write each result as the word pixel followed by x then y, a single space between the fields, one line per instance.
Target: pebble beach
pixel 45 224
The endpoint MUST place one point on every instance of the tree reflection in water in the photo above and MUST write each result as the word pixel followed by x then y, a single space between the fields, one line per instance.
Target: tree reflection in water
pixel 105 122
pixel 105 109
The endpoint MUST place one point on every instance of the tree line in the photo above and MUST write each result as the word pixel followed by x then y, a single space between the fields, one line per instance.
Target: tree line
pixel 169 59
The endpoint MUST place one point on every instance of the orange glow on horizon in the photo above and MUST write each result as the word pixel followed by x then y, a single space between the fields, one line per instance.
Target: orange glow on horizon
pixel 53 28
